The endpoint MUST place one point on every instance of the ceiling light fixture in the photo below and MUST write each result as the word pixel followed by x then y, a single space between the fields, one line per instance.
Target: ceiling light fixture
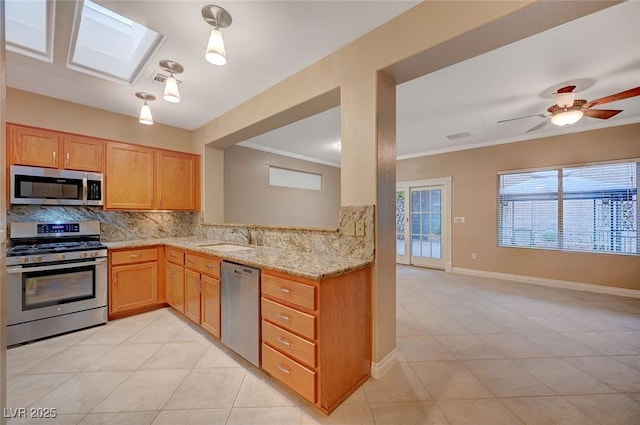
pixel 171 93
pixel 145 112
pixel 217 17
pixel 567 116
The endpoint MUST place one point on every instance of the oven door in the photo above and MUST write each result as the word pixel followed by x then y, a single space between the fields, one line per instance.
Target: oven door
pixel 41 291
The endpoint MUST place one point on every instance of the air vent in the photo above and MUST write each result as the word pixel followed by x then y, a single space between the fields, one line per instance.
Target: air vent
pixel 160 79
pixel 458 135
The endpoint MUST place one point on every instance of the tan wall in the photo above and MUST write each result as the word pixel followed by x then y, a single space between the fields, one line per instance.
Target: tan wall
pixel 46 112
pixel 248 198
pixel 474 196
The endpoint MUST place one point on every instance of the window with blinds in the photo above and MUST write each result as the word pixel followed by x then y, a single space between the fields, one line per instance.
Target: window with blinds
pixel 590 208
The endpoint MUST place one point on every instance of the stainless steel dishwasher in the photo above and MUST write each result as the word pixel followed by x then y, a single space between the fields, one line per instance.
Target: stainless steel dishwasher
pixel 240 306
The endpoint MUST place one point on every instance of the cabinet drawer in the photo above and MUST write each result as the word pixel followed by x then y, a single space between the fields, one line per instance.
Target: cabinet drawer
pixel 295 376
pixel 207 265
pixel 292 345
pixel 293 320
pixel 132 256
pixel 175 256
pixel 289 291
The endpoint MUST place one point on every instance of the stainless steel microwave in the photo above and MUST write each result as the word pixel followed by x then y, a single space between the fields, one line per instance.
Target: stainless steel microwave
pixel 49 186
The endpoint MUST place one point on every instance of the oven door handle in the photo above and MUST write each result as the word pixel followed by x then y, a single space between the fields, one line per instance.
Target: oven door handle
pixel 21 269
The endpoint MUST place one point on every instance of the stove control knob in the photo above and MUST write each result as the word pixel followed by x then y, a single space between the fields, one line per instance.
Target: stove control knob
pixel 83 255
pixel 61 256
pixel 37 259
pixel 23 260
pixel 94 254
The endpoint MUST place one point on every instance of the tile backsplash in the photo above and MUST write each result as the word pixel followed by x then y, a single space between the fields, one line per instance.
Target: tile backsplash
pixel 129 225
pixel 115 225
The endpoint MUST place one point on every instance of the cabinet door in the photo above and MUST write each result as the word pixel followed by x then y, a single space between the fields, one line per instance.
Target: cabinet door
pixel 81 153
pixel 192 295
pixel 129 177
pixel 175 286
pixel 177 181
pixel 211 305
pixel 133 286
pixel 33 146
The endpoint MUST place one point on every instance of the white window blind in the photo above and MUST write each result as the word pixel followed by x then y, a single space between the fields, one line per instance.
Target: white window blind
pixel 588 208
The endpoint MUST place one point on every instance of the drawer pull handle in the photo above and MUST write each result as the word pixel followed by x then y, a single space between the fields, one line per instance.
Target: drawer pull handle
pixel 189 261
pixel 283 341
pixel 284 369
pixel 172 255
pixel 135 256
pixel 209 266
pixel 284 290
pixel 284 317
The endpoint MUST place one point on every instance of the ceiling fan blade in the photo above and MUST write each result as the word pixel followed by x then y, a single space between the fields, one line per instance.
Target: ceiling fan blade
pixel 602 113
pixel 526 116
pixel 539 126
pixel 614 97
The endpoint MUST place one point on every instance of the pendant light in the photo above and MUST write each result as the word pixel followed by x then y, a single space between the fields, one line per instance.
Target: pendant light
pixel 145 112
pixel 217 17
pixel 171 93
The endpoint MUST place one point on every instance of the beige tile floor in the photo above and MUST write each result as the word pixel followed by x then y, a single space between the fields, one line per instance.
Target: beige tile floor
pixel 474 351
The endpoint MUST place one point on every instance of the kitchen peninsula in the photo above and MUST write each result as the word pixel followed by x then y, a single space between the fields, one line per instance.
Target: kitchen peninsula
pixel 315 309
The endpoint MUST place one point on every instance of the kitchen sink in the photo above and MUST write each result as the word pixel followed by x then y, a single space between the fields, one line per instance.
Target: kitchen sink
pixel 226 247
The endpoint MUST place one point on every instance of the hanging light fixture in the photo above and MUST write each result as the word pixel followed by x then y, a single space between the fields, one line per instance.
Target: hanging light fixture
pixel 171 93
pixel 217 17
pixel 145 112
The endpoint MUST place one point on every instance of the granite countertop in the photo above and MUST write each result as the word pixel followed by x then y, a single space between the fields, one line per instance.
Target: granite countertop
pixel 311 266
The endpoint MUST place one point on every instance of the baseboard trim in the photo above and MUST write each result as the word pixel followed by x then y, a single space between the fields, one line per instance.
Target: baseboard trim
pixel 566 284
pixel 379 369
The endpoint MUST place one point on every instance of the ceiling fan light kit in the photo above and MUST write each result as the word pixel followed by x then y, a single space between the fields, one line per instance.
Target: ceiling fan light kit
pixel 568 110
pixel 217 17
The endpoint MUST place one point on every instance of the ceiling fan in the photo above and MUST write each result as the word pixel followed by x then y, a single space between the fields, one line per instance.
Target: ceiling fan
pixel 569 110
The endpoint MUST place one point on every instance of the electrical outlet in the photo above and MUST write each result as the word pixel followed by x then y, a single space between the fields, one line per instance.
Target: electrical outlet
pixel 458 219
pixel 474 256
pixel 360 228
pixel 349 229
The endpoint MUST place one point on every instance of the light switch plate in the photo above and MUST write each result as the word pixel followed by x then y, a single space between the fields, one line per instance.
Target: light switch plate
pixel 360 228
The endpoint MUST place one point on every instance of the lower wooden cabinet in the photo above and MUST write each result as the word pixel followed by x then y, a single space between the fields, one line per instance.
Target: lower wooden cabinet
pixel 174 281
pixel 133 281
pixel 316 336
pixel 202 292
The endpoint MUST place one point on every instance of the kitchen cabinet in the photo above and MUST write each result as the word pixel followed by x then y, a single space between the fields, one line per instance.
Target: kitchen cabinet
pixel 33 146
pixel 130 175
pixel 316 336
pixel 81 153
pixel 202 291
pixel 174 278
pixel 142 178
pixel 133 281
pixel 40 147
pixel 178 181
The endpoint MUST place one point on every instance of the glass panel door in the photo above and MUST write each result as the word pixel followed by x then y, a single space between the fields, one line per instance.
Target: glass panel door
pixel 402 226
pixel 426 227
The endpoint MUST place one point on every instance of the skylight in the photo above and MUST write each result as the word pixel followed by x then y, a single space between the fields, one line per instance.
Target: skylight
pixel 29 28
pixel 108 45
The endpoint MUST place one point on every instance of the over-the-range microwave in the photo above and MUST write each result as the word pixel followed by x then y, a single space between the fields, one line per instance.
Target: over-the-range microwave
pixel 49 186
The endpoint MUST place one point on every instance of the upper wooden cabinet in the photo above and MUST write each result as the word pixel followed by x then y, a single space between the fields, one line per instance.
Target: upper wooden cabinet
pixel 178 181
pixel 34 146
pixel 129 177
pixel 52 149
pixel 144 178
pixel 81 153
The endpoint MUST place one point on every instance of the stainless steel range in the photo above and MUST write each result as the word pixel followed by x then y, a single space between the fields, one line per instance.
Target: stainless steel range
pixel 56 279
